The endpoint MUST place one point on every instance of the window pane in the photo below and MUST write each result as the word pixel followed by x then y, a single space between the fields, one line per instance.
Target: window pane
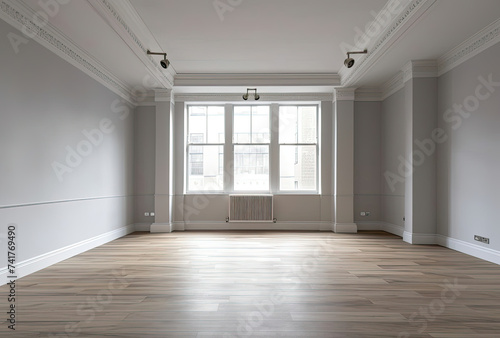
pixel 307 124
pixel 251 168
pixel 288 125
pixel 215 125
pixel 297 167
pixel 242 119
pixel 298 124
pixel 260 124
pixel 204 168
pixel 197 124
pixel 251 124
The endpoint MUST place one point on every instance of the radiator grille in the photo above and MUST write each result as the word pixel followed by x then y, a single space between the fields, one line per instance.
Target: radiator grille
pixel 251 208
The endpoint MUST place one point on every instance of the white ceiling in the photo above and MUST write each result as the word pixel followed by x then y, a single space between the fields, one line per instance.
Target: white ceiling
pixel 447 24
pixel 258 37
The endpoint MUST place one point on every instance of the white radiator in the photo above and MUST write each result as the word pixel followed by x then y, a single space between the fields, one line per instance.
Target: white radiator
pixel 251 208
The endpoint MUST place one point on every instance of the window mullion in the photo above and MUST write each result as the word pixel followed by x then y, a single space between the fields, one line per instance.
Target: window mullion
pixel 228 149
pixel 274 149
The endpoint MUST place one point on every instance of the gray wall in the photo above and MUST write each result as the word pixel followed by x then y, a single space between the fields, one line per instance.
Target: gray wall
pixel 47 105
pixel 469 162
pixel 393 147
pixel 288 208
pixel 423 119
pixel 367 160
pixel 144 162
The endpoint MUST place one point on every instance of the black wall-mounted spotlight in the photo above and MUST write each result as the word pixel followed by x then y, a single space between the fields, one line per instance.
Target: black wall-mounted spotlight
pixel 164 63
pixel 256 96
pixel 349 62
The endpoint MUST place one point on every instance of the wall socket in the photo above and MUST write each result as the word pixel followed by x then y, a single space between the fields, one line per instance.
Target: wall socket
pixel 149 214
pixel 365 213
pixel 482 239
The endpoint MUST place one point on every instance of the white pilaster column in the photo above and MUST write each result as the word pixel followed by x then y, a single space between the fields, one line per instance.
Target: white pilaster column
pixel 164 162
pixel 421 140
pixel 343 147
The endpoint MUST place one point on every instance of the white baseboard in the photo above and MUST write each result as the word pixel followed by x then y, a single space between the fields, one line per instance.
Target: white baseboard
pixel 475 250
pixel 393 229
pixel 142 227
pixel 161 227
pixel 345 228
pixel 414 238
pixel 326 226
pixel 381 226
pixel 369 226
pixel 286 226
pixel 34 264
pixel 408 237
pixel 179 226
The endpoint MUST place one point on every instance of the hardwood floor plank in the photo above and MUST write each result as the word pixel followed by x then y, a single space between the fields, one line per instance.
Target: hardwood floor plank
pixel 260 284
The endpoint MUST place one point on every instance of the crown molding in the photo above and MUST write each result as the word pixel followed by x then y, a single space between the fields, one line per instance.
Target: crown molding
pixel 367 94
pixel 19 15
pixel 412 14
pixel 147 101
pixel 418 69
pixel 245 80
pixel 393 85
pixel 479 42
pixel 164 95
pixel 344 94
pixel 126 22
pixel 299 97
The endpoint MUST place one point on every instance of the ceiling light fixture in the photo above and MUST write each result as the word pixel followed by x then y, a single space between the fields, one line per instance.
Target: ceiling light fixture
pixel 255 96
pixel 164 63
pixel 349 62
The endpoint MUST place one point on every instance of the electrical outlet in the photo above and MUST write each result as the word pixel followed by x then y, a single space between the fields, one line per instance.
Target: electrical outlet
pixel 362 213
pixel 482 239
pixel 151 214
pixel 146 214
pixel 367 213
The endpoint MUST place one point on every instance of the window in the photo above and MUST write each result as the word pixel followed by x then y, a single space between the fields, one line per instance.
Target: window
pixel 298 147
pixel 205 148
pixel 251 141
pixel 269 148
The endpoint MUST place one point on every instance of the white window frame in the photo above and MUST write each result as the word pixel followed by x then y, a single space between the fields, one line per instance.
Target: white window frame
pixel 233 144
pixel 316 144
pixel 274 149
pixel 188 145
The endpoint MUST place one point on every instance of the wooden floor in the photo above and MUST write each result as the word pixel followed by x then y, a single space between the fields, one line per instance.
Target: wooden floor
pixel 260 284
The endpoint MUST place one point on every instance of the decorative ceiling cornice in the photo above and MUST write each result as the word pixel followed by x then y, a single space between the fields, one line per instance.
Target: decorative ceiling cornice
pixel 19 16
pixel 147 101
pixel 395 31
pixel 482 40
pixel 367 94
pixel 126 22
pixel 300 97
pixel 164 95
pixel 344 94
pixel 393 85
pixel 419 68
